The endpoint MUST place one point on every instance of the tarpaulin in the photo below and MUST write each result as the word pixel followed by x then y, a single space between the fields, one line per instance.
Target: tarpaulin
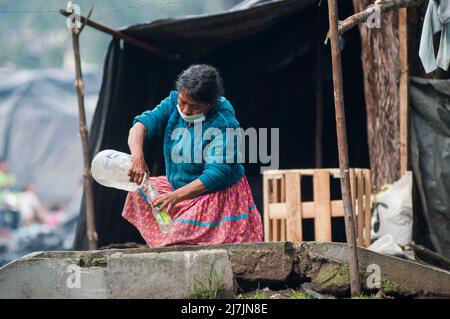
pixel 39 130
pixel 430 156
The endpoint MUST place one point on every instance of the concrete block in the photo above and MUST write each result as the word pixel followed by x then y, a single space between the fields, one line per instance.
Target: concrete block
pixel 168 274
pixel 48 278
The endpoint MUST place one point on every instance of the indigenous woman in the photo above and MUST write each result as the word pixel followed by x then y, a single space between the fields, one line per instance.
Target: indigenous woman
pixel 205 190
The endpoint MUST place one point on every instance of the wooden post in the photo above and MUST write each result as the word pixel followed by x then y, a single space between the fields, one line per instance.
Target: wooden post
pixel 294 207
pixel 319 95
pixel 283 200
pixel 368 199
pixel 404 79
pixel 343 149
pixel 266 207
pixel 322 205
pixel 79 84
pixel 353 192
pixel 360 219
pixel 275 222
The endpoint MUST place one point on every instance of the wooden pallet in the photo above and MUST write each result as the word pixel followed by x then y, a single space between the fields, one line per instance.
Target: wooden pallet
pixel 284 209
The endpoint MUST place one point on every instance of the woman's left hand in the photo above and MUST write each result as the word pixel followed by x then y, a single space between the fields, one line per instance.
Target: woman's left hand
pixel 167 201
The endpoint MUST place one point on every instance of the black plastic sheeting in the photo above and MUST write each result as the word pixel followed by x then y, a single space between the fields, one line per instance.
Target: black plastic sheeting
pixel 266 54
pixel 430 156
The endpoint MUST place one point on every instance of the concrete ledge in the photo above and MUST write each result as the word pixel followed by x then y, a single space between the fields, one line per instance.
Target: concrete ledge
pixel 170 272
pixel 170 275
pixel 49 278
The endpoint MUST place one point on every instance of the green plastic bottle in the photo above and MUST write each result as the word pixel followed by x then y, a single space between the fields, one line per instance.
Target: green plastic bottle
pixel 162 218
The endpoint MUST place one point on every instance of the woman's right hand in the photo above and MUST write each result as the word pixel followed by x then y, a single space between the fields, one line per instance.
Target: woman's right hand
pixel 138 166
pixel 138 169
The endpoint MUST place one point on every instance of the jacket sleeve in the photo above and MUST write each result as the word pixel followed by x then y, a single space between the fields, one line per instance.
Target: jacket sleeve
pixel 220 155
pixel 155 120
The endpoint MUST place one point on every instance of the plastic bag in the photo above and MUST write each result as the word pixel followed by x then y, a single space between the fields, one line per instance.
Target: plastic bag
pixel 393 213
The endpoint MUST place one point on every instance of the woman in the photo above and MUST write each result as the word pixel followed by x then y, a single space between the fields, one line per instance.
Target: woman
pixel 209 200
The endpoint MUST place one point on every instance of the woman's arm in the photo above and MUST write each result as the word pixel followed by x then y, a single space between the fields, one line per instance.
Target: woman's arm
pixel 155 120
pixel 145 126
pixel 193 189
pixel 138 166
pixel 169 200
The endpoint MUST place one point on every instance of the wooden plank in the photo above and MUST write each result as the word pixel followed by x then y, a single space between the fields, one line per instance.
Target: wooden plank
pixel 276 195
pixel 322 222
pixel 279 210
pixel 275 233
pixel 352 185
pixel 275 222
pixel 283 230
pixel 304 172
pixel 337 208
pixel 360 190
pixel 293 205
pixel 368 207
pixel 266 211
pixel 309 211
pixel 403 89
pixel 353 193
pixel 283 199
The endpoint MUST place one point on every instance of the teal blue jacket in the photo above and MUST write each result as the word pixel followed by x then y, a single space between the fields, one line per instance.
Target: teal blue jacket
pixel 208 154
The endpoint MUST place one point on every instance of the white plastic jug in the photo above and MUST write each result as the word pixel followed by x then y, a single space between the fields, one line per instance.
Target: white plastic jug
pixel 110 168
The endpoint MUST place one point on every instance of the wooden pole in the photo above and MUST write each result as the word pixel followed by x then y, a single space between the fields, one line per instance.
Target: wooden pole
pixel 343 149
pixel 404 81
pixel 87 177
pixel 127 38
pixel 319 94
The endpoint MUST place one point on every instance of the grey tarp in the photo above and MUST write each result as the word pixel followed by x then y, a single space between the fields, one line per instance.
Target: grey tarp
pixel 39 138
pixel 39 130
pixel 430 155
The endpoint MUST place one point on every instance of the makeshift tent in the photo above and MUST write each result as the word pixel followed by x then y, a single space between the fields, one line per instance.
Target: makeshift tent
pixel 39 133
pixel 267 52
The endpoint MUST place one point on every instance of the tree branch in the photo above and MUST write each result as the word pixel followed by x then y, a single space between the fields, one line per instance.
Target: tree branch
pixel 382 5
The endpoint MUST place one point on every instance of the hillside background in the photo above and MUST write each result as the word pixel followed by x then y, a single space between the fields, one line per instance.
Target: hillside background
pixel 34 35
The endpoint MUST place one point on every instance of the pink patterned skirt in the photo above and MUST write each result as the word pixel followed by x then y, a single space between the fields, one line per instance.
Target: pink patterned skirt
pixel 225 216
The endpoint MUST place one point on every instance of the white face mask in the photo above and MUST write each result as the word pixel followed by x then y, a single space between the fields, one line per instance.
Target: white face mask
pixel 191 118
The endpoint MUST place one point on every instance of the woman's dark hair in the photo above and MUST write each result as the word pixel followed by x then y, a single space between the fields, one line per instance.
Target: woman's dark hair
pixel 202 83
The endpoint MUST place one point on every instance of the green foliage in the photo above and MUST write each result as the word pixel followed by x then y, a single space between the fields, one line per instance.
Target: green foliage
pixel 262 294
pixel 259 294
pixel 300 295
pixel 209 287
pixel 364 296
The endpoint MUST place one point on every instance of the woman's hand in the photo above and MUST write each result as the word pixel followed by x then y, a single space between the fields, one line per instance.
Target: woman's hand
pixel 138 169
pixel 138 166
pixel 167 201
